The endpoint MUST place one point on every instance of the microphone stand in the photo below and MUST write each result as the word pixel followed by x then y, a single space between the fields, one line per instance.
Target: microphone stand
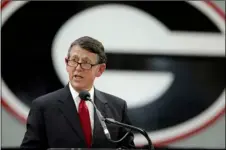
pixel 109 120
pixel 143 132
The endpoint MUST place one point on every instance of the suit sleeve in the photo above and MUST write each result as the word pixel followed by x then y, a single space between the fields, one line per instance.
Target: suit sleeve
pixel 128 141
pixel 35 129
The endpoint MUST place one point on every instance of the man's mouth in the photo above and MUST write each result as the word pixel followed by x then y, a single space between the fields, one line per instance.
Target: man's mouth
pixel 78 76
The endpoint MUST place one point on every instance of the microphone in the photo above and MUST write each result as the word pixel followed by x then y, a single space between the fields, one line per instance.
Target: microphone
pixel 84 95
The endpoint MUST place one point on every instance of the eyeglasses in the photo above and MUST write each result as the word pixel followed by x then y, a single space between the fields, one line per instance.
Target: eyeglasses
pixel 85 66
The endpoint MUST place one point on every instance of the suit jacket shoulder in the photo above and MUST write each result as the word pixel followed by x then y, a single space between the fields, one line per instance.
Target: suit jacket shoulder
pixel 112 99
pixel 50 98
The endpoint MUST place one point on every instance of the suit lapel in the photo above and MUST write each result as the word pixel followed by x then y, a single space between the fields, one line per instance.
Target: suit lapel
pixel 100 103
pixel 68 108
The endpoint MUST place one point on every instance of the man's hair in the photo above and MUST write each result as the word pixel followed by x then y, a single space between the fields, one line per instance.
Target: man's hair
pixel 92 45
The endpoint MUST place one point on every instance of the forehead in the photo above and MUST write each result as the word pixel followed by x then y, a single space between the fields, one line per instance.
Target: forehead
pixel 77 51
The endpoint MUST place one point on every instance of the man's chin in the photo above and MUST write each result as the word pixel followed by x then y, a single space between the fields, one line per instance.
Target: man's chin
pixel 78 86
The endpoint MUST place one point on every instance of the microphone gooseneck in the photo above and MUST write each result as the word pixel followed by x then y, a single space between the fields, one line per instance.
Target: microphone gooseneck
pixel 143 132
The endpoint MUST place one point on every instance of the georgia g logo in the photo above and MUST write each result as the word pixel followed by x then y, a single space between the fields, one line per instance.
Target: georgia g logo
pixel 166 62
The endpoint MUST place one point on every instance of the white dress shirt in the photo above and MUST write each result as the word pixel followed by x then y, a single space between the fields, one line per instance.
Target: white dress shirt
pixel 76 98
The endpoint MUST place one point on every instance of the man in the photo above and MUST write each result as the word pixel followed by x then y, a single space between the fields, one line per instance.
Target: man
pixel 62 120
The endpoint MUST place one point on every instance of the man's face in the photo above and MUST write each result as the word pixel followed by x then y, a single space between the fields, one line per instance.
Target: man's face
pixel 83 79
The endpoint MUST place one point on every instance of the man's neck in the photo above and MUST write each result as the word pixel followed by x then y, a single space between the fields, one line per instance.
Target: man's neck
pixel 79 90
pixel 75 92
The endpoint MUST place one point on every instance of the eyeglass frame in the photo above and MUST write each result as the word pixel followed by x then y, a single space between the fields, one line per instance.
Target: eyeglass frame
pixel 78 63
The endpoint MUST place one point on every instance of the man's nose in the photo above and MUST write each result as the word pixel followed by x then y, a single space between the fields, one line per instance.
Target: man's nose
pixel 78 67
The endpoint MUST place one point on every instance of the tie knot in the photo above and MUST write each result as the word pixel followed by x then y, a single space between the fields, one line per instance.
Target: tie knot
pixel 82 104
pixel 82 101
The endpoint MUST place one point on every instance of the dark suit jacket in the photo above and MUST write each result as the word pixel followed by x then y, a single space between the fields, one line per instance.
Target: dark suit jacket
pixel 53 122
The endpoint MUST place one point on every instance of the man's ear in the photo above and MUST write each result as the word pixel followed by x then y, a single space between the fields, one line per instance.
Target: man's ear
pixel 101 69
pixel 66 60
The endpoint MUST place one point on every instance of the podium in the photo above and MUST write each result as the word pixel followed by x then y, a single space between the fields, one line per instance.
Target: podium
pixel 92 149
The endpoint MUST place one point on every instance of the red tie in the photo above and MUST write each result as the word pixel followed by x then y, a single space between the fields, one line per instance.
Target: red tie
pixel 85 122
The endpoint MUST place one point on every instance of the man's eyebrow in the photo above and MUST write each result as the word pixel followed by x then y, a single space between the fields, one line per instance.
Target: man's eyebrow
pixel 83 58
pixel 86 59
pixel 74 56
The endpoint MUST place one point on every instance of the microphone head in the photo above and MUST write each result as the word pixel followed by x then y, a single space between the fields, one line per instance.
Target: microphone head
pixel 84 95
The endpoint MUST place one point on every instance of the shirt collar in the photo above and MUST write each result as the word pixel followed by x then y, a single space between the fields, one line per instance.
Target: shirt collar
pixel 75 94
